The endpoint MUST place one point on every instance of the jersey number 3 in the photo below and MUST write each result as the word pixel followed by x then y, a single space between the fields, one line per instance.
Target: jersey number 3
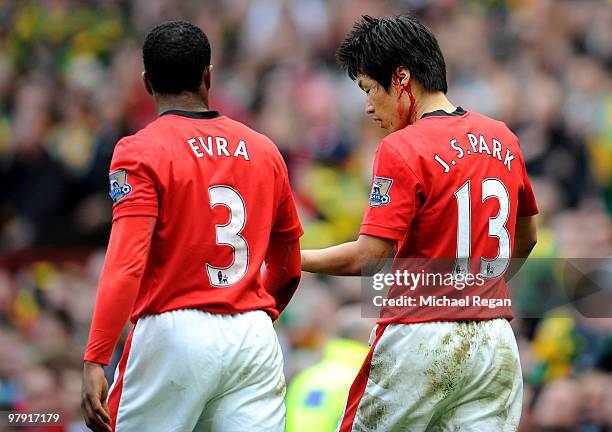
pixel 229 234
pixel 489 268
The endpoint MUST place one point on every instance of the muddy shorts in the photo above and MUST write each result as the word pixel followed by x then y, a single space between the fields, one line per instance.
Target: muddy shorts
pixel 438 376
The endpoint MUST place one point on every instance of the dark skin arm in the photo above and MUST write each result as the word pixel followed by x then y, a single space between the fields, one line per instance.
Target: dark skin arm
pixel 525 239
pixel 93 399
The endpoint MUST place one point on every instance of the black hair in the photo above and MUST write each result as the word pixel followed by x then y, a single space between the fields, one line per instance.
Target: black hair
pixel 175 54
pixel 376 47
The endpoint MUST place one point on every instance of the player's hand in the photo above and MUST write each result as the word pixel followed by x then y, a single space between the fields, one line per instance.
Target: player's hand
pixel 93 398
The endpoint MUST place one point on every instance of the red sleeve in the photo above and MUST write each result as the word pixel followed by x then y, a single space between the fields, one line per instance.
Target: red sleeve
pixel 132 185
pixel 126 257
pixel 283 271
pixel 527 205
pixel 393 199
pixel 286 224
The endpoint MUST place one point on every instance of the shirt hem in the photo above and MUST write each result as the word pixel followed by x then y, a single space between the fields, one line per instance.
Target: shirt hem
pixel 386 321
pixel 381 231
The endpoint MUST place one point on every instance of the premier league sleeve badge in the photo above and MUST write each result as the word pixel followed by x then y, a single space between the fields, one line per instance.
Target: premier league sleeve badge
pixel 119 187
pixel 380 191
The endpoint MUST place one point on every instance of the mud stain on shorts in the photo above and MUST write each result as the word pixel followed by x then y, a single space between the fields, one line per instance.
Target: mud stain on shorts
pixel 502 379
pixel 177 386
pixel 381 368
pixel 451 360
pixel 244 374
pixel 281 389
pixel 452 368
pixel 373 413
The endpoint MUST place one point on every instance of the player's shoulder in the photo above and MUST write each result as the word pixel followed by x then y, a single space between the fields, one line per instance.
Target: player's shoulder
pixel 407 143
pixel 145 145
pixel 255 140
pixel 128 143
pixel 128 150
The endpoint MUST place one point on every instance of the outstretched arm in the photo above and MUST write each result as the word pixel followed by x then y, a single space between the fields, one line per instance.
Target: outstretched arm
pixel 366 255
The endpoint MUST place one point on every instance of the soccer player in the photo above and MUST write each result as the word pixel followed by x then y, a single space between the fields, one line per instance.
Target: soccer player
pixel 447 183
pixel 200 202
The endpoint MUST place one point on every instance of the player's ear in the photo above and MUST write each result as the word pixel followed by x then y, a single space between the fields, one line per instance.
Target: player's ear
pixel 402 75
pixel 207 76
pixel 147 83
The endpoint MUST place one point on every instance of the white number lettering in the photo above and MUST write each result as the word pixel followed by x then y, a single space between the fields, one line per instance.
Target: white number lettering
pixel 489 268
pixel 229 234
pixel 464 228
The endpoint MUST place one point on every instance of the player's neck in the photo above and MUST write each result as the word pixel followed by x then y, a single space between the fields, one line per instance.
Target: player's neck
pixel 429 102
pixel 182 102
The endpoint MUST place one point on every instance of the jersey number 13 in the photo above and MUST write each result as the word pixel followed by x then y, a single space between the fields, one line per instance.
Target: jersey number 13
pixel 489 268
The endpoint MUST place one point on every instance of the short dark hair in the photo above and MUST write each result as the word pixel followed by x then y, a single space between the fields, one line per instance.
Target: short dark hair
pixel 175 54
pixel 376 47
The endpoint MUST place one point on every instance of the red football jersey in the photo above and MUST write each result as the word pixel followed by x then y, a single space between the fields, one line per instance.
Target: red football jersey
pixel 450 187
pixel 220 193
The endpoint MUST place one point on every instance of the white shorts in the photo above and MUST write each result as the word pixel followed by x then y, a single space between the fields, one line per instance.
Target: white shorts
pixel 438 376
pixel 188 370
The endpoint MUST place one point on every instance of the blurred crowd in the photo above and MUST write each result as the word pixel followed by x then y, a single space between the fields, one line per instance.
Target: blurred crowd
pixel 70 86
